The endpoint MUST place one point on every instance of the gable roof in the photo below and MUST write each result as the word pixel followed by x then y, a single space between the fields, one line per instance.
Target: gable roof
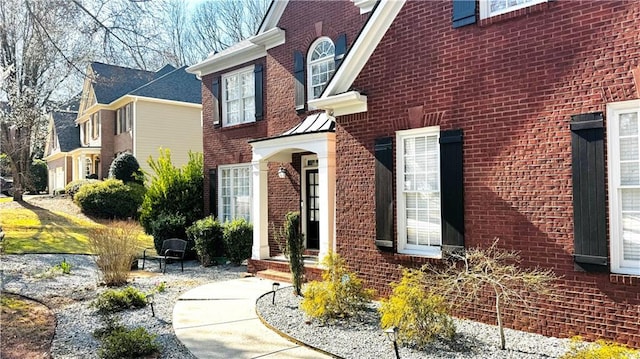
pixel 66 130
pixel 111 82
pixel 175 85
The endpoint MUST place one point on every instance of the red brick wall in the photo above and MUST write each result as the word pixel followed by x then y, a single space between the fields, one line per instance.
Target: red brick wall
pixel 108 140
pixel 511 84
pixel 304 21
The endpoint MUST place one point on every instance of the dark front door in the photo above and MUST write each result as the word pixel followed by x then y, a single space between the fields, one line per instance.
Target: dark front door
pixel 312 210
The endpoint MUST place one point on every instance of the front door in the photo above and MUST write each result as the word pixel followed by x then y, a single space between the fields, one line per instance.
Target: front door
pixel 312 210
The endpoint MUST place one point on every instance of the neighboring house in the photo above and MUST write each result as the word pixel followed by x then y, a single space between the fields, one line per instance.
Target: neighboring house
pixel 136 111
pixel 63 138
pixel 403 130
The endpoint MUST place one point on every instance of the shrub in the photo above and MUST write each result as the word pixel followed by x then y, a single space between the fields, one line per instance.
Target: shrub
pixel 123 343
pixel 207 235
pixel 126 168
pixel 37 179
pixel 295 249
pixel 112 300
pixel 115 247
pixel 238 239
pixel 165 226
pixel 173 191
pixel 74 186
pixel 340 294
pixel 110 199
pixel 420 316
pixel 599 350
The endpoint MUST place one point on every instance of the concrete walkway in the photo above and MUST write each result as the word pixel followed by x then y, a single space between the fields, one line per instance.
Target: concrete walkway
pixel 218 320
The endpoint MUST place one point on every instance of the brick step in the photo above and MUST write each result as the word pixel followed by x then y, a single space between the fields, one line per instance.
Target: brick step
pixel 278 276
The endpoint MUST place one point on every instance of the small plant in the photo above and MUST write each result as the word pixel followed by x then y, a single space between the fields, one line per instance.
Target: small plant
pixel 119 342
pixel 419 315
pixel 112 301
pixel 207 235
pixel 161 287
pixel 65 266
pixel 601 349
pixel 238 239
pixel 467 275
pixel 115 247
pixel 340 294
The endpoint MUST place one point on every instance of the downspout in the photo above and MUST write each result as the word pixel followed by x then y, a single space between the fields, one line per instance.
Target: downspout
pixel 134 124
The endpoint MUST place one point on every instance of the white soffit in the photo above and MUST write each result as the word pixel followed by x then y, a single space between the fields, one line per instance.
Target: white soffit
pixel 342 104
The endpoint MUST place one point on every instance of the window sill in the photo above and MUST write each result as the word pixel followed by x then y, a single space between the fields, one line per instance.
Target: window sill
pixel 624 279
pixel 515 13
pixel 237 126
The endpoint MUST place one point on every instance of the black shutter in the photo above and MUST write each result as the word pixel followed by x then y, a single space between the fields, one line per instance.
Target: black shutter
pixel 384 192
pixel 464 12
pixel 215 92
pixel 451 191
pixel 298 73
pixel 341 49
pixel 258 76
pixel 213 195
pixel 587 163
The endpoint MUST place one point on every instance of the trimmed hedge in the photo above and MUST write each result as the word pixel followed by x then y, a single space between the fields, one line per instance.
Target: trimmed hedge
pixel 74 186
pixel 207 235
pixel 238 239
pixel 125 167
pixel 110 199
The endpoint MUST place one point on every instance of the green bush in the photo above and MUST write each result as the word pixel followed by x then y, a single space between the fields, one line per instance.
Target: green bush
pixel 295 249
pixel 207 235
pixel 238 240
pixel 117 300
pixel 174 192
pixel 601 349
pixel 166 226
pixel 110 199
pixel 340 294
pixel 420 316
pixel 126 168
pixel 123 343
pixel 37 179
pixel 73 187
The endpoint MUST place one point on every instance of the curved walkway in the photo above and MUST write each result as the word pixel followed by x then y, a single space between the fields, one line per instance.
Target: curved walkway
pixel 219 320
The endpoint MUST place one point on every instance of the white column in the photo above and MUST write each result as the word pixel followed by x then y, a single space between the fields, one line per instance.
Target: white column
pixel 327 195
pixel 260 213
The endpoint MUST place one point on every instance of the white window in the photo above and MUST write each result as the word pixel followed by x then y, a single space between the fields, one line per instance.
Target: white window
pixel 623 131
pixel 418 191
pixel 238 94
pixel 234 193
pixel 320 67
pixel 123 118
pixel 490 8
pixel 95 126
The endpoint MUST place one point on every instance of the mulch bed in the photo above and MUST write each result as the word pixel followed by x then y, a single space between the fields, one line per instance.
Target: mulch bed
pixel 28 327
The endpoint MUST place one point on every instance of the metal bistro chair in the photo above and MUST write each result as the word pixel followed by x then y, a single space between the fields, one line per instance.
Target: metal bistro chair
pixel 173 248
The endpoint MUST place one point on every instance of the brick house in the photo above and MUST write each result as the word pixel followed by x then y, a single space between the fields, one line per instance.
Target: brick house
pixel 402 130
pixel 136 111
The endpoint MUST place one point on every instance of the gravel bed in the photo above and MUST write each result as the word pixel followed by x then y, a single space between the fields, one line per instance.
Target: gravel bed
pixel 362 337
pixel 70 296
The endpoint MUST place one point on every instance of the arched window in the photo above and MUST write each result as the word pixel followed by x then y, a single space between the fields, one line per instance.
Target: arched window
pixel 320 67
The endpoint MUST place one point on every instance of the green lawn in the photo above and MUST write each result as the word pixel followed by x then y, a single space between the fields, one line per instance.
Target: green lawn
pixel 32 229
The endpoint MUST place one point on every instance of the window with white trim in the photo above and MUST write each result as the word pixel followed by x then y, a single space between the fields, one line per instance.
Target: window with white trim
pixel 234 192
pixel 418 191
pixel 489 8
pixel 238 97
pixel 320 67
pixel 623 132
pixel 95 126
pixel 123 118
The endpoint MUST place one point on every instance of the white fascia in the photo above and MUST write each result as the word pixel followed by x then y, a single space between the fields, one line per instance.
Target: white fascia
pixel 273 16
pixel 247 50
pixel 342 104
pixel 364 5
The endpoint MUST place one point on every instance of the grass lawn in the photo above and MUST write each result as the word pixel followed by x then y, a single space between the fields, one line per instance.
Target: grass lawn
pixel 33 229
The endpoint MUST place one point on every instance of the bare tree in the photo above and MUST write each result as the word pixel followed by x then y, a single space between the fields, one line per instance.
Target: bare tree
pixel 466 277
pixel 31 71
